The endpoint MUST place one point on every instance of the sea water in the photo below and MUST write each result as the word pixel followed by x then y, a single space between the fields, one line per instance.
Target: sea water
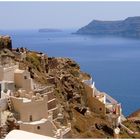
pixel 113 62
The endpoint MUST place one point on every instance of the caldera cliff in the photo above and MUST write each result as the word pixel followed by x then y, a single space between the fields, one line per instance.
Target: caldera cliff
pixel 130 27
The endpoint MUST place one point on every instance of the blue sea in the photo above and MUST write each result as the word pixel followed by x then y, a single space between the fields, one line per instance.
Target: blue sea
pixel 113 62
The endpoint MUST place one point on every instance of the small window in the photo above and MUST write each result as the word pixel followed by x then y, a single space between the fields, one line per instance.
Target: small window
pixel 31 119
pixel 38 127
pixel 100 109
pixel 25 77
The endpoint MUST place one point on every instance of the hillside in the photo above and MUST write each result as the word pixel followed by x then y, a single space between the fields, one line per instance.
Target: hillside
pixel 89 116
pixel 130 27
pixel 135 115
pixel 70 93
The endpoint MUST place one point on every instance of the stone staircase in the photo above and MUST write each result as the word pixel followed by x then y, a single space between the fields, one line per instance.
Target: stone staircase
pixel 8 102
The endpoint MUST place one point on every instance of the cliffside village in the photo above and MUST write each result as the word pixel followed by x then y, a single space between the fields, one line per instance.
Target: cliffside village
pixel 28 106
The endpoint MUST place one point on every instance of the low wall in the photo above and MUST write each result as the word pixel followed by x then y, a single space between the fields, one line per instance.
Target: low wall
pixel 52 104
pixel 30 110
pixel 97 106
pixel 43 128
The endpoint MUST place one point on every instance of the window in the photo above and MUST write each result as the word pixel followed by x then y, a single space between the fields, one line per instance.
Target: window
pixel 31 119
pixel 100 109
pixel 25 77
pixel 38 127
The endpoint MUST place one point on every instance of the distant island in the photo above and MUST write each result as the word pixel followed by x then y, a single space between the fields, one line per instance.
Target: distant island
pixel 130 27
pixel 49 30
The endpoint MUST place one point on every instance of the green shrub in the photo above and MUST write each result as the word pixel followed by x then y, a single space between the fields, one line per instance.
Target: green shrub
pixel 34 60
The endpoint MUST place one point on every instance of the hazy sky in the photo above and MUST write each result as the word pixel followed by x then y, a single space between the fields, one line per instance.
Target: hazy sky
pixel 62 14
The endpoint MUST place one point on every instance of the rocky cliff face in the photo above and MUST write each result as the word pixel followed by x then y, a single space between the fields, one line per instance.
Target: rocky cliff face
pixel 130 27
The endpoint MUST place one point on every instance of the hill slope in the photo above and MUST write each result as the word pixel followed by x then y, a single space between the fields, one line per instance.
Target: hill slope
pixel 70 92
pixel 130 27
pixel 67 80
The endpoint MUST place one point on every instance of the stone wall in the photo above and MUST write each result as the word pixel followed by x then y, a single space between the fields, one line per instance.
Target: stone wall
pixel 52 104
pixel 7 73
pixel 50 95
pixel 89 93
pixel 67 135
pixel 46 128
pixel 3 104
pixel 97 106
pixel 5 86
pixel 22 80
pixel 93 103
pixel 30 110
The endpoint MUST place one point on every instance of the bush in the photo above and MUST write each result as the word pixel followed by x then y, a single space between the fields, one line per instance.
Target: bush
pixel 35 60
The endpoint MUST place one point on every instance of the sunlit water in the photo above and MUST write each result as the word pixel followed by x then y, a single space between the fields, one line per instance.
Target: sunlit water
pixel 113 62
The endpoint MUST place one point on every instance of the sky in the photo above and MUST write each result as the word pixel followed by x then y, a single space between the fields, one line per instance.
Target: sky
pixel 62 15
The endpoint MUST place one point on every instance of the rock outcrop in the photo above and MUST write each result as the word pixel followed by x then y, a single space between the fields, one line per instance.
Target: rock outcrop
pixel 130 27
pixel 5 42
